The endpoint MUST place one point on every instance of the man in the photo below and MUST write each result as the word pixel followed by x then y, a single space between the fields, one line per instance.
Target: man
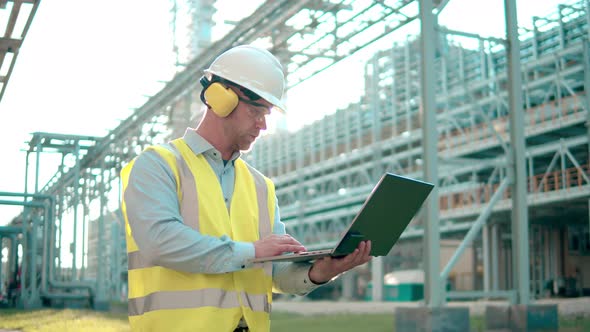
pixel 196 214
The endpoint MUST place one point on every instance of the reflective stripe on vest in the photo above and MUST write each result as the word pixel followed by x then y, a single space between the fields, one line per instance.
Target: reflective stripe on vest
pixel 197 298
pixel 157 290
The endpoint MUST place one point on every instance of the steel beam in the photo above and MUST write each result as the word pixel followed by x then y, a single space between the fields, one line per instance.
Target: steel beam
pixel 433 287
pixel 474 231
pixel 520 235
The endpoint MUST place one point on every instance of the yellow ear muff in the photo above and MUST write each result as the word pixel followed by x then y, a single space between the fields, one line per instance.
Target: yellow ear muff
pixel 222 100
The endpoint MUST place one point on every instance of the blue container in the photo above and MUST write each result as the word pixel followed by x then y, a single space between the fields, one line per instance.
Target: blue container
pixel 399 293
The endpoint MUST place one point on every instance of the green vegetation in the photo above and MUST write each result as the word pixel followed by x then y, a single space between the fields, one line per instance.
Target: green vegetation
pixel 65 320
pixel 72 320
pixel 283 322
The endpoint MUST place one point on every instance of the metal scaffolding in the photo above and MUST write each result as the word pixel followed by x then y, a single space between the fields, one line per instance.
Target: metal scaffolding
pixel 324 171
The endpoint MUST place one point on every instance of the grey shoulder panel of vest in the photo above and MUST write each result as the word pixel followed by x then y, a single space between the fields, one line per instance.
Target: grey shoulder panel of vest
pixel 253 170
pixel 170 147
pixel 167 147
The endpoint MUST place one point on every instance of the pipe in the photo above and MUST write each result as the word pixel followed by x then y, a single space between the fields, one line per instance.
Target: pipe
pixel 50 280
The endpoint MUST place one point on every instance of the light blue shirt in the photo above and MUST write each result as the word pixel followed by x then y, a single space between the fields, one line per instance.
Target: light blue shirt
pixel 162 237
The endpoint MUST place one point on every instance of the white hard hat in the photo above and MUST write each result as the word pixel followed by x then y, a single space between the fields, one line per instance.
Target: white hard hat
pixel 253 68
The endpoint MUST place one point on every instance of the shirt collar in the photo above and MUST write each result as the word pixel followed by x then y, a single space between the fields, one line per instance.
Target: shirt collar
pixel 199 145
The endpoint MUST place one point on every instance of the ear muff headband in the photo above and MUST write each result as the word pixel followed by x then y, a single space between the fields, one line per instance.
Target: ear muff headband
pixel 221 99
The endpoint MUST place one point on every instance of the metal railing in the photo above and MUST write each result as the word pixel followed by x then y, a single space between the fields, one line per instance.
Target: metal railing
pixel 566 179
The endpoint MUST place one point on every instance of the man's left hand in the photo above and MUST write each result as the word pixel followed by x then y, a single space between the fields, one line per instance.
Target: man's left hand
pixel 323 270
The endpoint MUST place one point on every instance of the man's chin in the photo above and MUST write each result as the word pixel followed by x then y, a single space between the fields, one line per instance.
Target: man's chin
pixel 246 147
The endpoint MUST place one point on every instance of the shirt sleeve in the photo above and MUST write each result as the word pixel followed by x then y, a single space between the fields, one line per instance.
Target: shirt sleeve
pixel 289 277
pixel 158 229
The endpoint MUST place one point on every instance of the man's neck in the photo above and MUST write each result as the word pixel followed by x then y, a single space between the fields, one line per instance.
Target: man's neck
pixel 216 141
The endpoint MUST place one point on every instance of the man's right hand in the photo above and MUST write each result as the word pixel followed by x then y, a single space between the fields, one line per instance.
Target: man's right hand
pixel 275 244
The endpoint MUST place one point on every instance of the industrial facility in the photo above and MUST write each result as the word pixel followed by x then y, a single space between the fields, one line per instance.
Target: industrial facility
pixel 499 125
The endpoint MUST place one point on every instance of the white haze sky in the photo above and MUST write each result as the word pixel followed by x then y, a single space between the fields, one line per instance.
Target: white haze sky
pixel 85 64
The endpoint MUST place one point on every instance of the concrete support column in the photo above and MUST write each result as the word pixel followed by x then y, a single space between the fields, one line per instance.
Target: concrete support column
pixel 377 278
pixel 440 319
pixel 348 285
pixel 522 318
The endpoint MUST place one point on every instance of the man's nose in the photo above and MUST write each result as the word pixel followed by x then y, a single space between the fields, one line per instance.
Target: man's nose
pixel 261 122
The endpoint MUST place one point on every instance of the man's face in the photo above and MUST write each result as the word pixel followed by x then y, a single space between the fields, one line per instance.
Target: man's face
pixel 247 120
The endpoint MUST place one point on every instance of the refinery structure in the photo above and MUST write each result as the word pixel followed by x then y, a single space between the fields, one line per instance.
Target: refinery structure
pixel 501 131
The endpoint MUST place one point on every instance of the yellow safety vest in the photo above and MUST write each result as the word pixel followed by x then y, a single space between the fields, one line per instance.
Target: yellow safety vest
pixel 162 299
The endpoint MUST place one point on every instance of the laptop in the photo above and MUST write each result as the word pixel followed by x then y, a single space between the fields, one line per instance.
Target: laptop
pixel 384 216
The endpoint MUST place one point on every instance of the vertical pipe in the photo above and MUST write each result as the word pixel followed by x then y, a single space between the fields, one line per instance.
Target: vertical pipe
pixel 474 266
pixel 100 247
pixel 1 257
pixel 535 256
pixel 585 46
pixel 26 176
pixel 347 131
pixel 46 242
pixel 561 30
pixel 13 256
pixel 334 121
pixel 586 101
pixel 359 125
pixel 509 274
pixel 531 173
pixel 37 162
pixel 562 156
pixel 76 202
pixel 549 250
pixel 12 267
pixel 115 276
pixel 85 213
pixel 520 236
pixel 121 230
pixel 394 98
pixel 485 244
pixel 348 283
pixel 495 252
pixel 34 295
pixel 300 194
pixel 320 130
pixel 433 287
pixel 25 261
pixel 376 124
pixel 408 87
pixel 58 231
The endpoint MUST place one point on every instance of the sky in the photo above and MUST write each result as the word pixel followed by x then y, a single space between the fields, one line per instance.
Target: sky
pixel 84 65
